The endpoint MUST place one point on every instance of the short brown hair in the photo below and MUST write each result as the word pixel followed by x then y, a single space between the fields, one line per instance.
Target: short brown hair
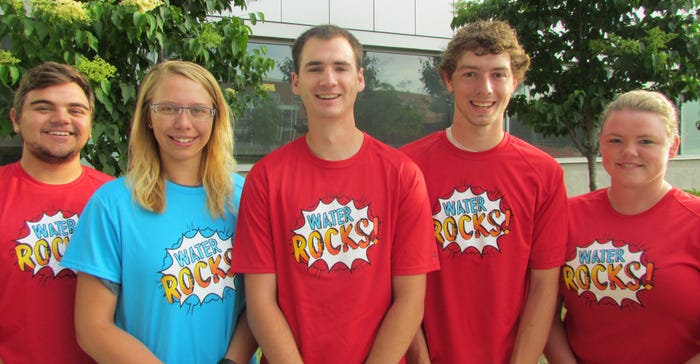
pixel 326 32
pixel 50 74
pixel 485 37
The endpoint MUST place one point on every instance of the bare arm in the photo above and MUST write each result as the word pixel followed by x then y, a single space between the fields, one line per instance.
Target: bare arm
pixel 243 345
pixel 402 320
pixel 96 332
pixel 418 350
pixel 694 360
pixel 536 317
pixel 557 349
pixel 267 321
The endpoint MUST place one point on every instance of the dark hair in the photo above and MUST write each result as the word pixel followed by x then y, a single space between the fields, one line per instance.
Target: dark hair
pixel 50 74
pixel 326 32
pixel 485 37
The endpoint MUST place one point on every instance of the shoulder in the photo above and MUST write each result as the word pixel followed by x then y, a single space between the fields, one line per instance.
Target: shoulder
pixel 593 197
pixel 9 170
pixel 421 146
pixel 687 200
pixel 95 175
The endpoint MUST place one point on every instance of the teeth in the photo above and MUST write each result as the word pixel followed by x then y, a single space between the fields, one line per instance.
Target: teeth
pixel 59 133
pixel 328 97
pixel 482 104
pixel 183 140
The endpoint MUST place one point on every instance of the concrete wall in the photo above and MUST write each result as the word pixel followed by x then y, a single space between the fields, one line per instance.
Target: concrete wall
pixel 682 172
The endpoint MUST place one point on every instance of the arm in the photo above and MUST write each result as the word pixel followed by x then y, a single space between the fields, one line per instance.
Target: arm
pixel 402 320
pixel 557 349
pixel 694 360
pixel 243 345
pixel 267 321
pixel 536 317
pixel 96 332
pixel 418 351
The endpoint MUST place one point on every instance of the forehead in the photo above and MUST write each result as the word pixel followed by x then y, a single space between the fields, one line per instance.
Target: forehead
pixel 334 50
pixel 61 94
pixel 174 87
pixel 471 60
pixel 634 121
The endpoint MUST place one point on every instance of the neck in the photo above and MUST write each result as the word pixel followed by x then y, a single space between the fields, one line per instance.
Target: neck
pixel 334 144
pixel 476 139
pixel 632 201
pixel 183 173
pixel 54 174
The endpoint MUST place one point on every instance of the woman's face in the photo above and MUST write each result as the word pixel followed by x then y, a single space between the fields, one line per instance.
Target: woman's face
pixel 636 147
pixel 181 137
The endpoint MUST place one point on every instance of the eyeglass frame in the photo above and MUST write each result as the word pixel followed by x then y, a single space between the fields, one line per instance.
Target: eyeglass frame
pixel 154 108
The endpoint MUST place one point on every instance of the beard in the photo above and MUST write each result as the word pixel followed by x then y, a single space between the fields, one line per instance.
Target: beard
pixel 49 156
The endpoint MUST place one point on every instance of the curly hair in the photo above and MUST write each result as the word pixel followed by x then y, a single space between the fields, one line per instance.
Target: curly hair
pixel 485 37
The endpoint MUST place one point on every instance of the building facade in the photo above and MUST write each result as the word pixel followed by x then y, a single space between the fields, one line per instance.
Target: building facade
pixel 404 98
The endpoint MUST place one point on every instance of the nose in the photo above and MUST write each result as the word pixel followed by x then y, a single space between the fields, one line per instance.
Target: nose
pixel 182 120
pixel 328 77
pixel 484 86
pixel 630 149
pixel 61 115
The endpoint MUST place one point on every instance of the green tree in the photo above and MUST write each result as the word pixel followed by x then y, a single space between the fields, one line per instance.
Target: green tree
pixel 586 52
pixel 115 43
pixel 382 111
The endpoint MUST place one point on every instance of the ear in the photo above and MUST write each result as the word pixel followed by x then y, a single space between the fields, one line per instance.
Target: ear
pixel 295 83
pixel 15 122
pixel 361 80
pixel 447 80
pixel 675 145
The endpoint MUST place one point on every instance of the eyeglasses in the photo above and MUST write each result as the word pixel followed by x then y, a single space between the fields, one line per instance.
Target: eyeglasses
pixel 170 111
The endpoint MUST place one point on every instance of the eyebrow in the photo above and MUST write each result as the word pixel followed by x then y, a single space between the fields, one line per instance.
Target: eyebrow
pixel 319 63
pixel 72 104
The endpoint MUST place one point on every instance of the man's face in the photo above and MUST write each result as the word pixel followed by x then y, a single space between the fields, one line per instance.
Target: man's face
pixel 54 123
pixel 482 87
pixel 328 80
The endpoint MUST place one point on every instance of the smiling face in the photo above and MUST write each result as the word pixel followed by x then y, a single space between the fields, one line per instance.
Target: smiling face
pixel 54 124
pixel 482 87
pixel 181 140
pixel 328 80
pixel 635 146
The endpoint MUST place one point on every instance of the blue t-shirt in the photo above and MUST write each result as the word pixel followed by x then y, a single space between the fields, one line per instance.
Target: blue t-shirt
pixel 178 295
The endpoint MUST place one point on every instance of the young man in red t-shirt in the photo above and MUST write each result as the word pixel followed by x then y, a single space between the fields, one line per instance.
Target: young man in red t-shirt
pixel 499 211
pixel 42 196
pixel 334 233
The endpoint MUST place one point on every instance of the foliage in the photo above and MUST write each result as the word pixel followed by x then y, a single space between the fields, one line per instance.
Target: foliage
pixel 115 43
pixel 586 52
pixel 381 110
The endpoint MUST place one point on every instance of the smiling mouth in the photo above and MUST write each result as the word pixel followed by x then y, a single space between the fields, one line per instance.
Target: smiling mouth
pixel 483 104
pixel 328 97
pixel 59 133
pixel 182 139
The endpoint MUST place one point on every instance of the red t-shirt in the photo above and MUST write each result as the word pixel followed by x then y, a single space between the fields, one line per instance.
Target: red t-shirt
pixel 497 214
pixel 631 283
pixel 334 233
pixel 36 294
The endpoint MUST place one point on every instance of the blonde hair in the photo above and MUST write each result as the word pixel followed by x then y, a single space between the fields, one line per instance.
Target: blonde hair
pixel 649 101
pixel 145 175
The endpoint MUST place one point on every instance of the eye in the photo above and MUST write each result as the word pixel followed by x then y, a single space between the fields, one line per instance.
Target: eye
pixel 469 74
pixel 78 111
pixel 646 142
pixel 42 108
pixel 199 110
pixel 614 140
pixel 168 109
